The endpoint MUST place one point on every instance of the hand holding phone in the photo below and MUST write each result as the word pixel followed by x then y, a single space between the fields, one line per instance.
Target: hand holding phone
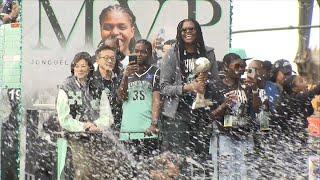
pixel 133 59
pixel 132 66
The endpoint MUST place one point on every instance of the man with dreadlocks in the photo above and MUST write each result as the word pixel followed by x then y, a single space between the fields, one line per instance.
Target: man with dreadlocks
pixel 185 130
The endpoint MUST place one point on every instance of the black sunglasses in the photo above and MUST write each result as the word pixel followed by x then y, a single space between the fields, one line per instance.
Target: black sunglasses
pixel 190 29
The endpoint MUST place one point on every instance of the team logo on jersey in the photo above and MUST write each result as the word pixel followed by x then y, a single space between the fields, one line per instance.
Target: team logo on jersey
pixel 149 76
pixel 95 104
pixel 107 91
pixel 189 65
pixel 242 98
pixel 75 97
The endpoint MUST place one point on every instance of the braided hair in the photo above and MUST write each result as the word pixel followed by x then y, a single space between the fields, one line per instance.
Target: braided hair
pixel 117 7
pixel 104 14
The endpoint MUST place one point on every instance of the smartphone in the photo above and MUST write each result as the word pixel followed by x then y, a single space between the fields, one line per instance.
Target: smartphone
pixel 133 58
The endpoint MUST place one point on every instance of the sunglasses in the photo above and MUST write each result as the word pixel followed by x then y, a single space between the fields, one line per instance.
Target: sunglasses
pixel 190 29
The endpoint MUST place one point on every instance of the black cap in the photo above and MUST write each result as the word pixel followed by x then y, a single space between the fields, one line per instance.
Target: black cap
pixel 283 66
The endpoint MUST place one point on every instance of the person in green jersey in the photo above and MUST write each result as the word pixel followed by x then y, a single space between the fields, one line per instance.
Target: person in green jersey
pixel 139 92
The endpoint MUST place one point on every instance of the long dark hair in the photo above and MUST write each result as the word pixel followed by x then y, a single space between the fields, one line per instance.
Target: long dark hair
pixel 104 14
pixel 199 42
pixel 85 56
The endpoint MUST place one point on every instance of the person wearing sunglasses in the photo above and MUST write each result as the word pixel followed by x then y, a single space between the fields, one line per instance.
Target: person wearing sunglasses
pixel 234 104
pixel 266 128
pixel 291 116
pixel 190 132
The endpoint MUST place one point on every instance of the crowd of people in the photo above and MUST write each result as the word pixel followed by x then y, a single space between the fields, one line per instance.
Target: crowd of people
pixel 255 128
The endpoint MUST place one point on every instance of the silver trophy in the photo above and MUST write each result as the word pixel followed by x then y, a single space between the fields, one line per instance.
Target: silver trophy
pixel 201 65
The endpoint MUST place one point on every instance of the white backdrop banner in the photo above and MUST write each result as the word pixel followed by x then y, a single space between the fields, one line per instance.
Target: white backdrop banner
pixel 55 30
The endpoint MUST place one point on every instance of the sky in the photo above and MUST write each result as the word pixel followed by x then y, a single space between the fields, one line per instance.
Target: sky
pixel 270 45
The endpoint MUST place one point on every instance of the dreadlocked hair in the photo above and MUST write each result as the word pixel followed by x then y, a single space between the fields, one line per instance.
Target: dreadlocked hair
pixel 199 42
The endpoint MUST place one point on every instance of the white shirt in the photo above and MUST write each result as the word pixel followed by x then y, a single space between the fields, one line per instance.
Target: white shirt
pixel 66 121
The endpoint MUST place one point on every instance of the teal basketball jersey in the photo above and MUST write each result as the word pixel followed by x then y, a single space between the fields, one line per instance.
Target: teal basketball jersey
pixel 137 110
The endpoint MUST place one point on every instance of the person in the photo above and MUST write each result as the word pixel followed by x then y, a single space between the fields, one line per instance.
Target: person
pixel 165 48
pixel 106 78
pixel 113 43
pixel 160 48
pixel 82 117
pixel 189 134
pixel 168 45
pixel 140 93
pixel 270 88
pixel 267 66
pixel 234 104
pixel 258 76
pixel 292 115
pixel 266 130
pixel 119 21
pixel 296 106
pixel 281 69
